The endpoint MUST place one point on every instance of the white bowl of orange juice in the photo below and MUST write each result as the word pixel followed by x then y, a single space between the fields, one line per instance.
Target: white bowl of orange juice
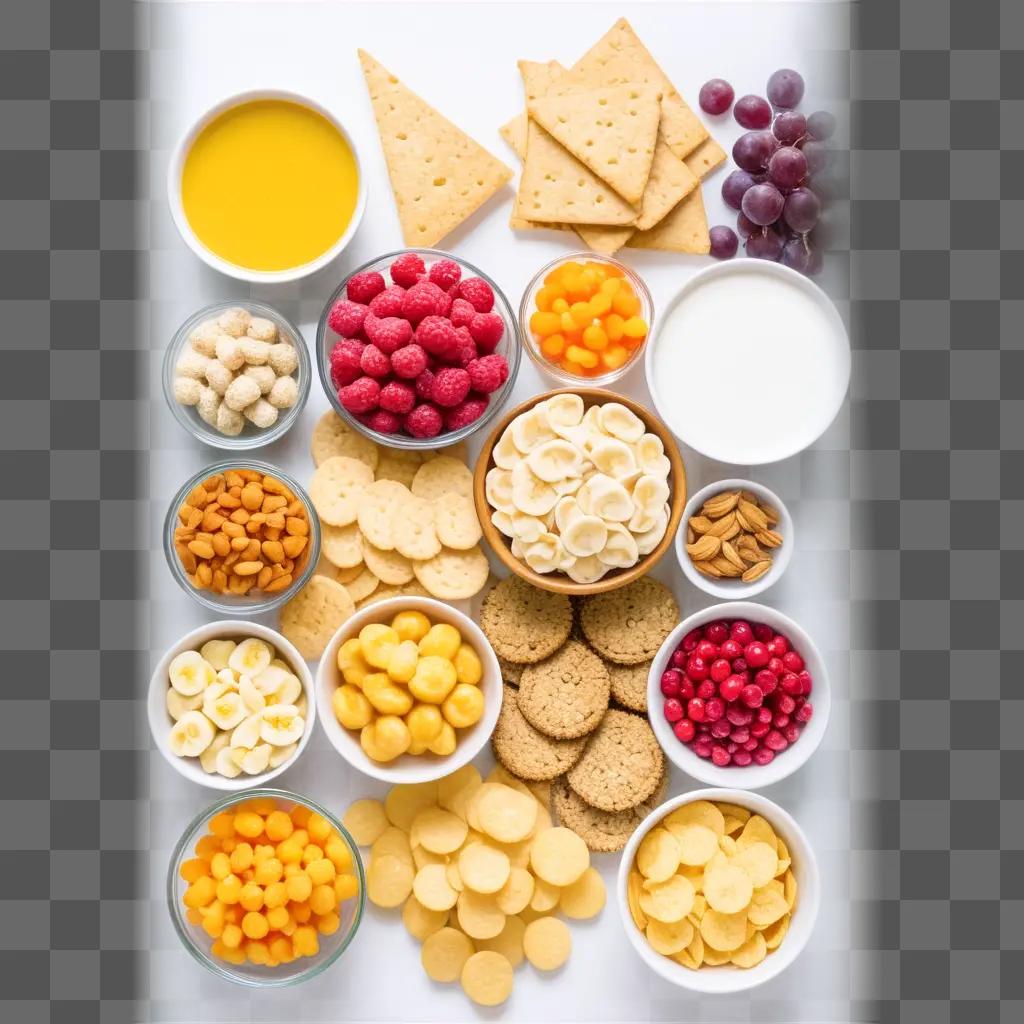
pixel 245 211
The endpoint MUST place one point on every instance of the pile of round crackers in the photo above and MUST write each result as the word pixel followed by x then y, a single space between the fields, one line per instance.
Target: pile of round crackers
pixel 574 712
pixel 392 523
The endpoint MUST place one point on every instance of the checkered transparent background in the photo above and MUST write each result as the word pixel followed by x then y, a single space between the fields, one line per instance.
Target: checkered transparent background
pixel 935 483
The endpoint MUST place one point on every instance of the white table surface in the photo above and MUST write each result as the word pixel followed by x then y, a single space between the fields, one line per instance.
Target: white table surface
pixel 462 58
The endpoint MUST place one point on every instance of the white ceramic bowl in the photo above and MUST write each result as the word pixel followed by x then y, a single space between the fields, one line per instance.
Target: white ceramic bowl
pixel 424 767
pixel 753 776
pixel 160 721
pixel 211 259
pixel 727 979
pixel 735 589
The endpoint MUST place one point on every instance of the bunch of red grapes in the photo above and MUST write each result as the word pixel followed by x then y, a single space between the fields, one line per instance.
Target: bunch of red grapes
pixel 776 159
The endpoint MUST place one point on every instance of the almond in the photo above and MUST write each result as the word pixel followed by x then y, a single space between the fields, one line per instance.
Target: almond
pixel 730 553
pixel 707 547
pixel 756 571
pixel 769 538
pixel 753 515
pixel 720 504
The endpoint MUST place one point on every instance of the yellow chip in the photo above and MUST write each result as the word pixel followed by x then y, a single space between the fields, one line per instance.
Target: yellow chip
pixel 697 844
pixel 684 958
pixel 789 888
pixel 667 901
pixel 696 948
pixel 392 841
pixel 694 874
pixel 431 888
pixel 419 921
pixel 479 915
pixel 714 957
pixel 634 886
pixel 388 881
pixel 483 869
pixel 365 820
pixel 501 775
pixel 545 896
pixel 751 953
pixel 784 859
pixel 487 978
pixel 775 933
pixel 406 800
pixel 438 831
pixel 547 943
pixel 724 932
pixel 453 791
pixel 757 830
pixel 732 825
pixel 658 855
pixel 518 853
pixel 515 895
pixel 727 845
pixel 767 905
pixel 734 811
pixel 758 860
pixel 421 858
pixel 504 813
pixel 445 953
pixel 700 812
pixel 669 938
pixel 508 942
pixel 528 914
pixel 700 908
pixel 585 898
pixel 728 889
pixel 454 876
pixel 559 856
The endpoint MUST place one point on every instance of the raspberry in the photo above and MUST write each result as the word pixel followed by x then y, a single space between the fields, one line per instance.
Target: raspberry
pixel 374 362
pixel 461 313
pixel 423 300
pixel 444 304
pixel 424 421
pixel 365 286
pixel 360 396
pixel 383 421
pixel 397 396
pixel 445 273
pixel 389 334
pixel 487 330
pixel 451 385
pixel 487 374
pixel 424 385
pixel 465 413
pixel 409 362
pixel 346 318
pixel 406 269
pixel 437 336
pixel 478 292
pixel 388 302
pixel 345 361
pixel 466 352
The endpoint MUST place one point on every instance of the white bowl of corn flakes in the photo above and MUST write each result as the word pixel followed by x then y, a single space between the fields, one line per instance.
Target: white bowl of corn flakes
pixel 408 689
pixel 718 866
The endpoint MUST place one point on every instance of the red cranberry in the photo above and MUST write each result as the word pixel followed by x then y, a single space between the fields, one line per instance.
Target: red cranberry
pixel 751 696
pixel 806 685
pixel 685 689
pixel 752 744
pixel 785 704
pixel 792 661
pixel 732 747
pixel 775 741
pixel 672 710
pixel 764 715
pixel 706 690
pixel 720 670
pixel 721 757
pixel 763 633
pixel 766 681
pixel 775 665
pixel 804 713
pixel 702 749
pixel 756 654
pixel 741 758
pixel 720 729
pixel 716 632
pixel 707 650
pixel 691 640
pixel 780 720
pixel 671 680
pixel 739 665
pixel 703 727
pixel 778 645
pixel 739 715
pixel 791 684
pixel 679 658
pixel 731 688
pixel 741 632
pixel 697 668
pixel 759 729
pixel 764 756
pixel 695 708
pixel 791 732
pixel 739 735
pixel 731 649
pixel 684 730
pixel 714 708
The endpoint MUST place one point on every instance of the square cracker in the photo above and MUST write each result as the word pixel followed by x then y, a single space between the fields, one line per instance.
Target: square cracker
pixel 439 175
pixel 685 229
pixel 705 158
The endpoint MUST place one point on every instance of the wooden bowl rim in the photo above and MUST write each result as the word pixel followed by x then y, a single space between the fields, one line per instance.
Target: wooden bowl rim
pixel 559 583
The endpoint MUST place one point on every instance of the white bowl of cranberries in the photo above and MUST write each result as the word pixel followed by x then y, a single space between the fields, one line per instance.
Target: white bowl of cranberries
pixel 738 695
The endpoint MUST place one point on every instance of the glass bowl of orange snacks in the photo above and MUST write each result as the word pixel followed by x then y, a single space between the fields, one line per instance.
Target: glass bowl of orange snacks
pixel 266 888
pixel 586 317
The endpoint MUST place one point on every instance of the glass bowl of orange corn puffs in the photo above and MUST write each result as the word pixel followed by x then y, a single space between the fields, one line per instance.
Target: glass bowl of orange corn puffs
pixel 266 888
pixel 586 317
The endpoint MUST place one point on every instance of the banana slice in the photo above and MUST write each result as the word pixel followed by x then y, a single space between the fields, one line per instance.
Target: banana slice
pixel 554 460
pixel 585 536
pixel 591 421
pixel 228 678
pixel 526 528
pixel 217 652
pixel 531 429
pixel 191 734
pixel 288 692
pixel 498 488
pixel 252 697
pixel 270 679
pixel 301 705
pixel 641 521
pixel 602 496
pixel 224 707
pixel 567 509
pixel 544 555
pixel 620 549
pixel 618 421
pixel 650 455
pixel 503 522
pixel 190 673
pixel 587 570
pixel 647 541
pixel 505 453
pixel 281 724
pixel 613 458
pixel 650 492
pixel 208 758
pixel 563 411
pixel 251 657
pixel 570 485
pixel 225 764
pixel 247 734
pixel 278 755
pixel 530 495
pixel 516 548
pixel 177 705
pixel 257 760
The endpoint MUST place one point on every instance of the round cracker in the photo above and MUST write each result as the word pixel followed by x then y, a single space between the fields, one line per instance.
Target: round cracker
pixel 431 888
pixel 523 623
pixel 453 575
pixel 388 566
pixel 504 813
pixel 566 695
pixel 456 521
pixel 438 830
pixel 602 831
pixel 342 546
pixel 400 466
pixel 366 821
pixel 459 450
pixel 347 575
pixel 315 614
pixel 420 922
pixel 444 953
pixel 483 868
pixel 380 505
pixel 628 625
pixel 508 942
pixel 479 915
pixel 337 488
pixel 559 856
pixel 362 585
pixel 629 684
pixel 547 943
pixel 414 532
pixel 388 881
pixel 441 476
pixel 487 978
pixel 526 751
pixel 333 436
pixel 515 895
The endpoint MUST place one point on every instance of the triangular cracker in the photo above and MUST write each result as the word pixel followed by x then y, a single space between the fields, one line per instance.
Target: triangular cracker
pixel 611 128
pixel 670 182
pixel 439 175
pixel 685 229
pixel 705 158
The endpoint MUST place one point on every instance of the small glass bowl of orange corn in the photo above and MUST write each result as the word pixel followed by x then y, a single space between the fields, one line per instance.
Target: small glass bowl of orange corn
pixel 586 317
pixel 266 888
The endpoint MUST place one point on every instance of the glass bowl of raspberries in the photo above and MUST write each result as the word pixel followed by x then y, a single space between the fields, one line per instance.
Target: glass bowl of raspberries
pixel 417 349
pixel 738 695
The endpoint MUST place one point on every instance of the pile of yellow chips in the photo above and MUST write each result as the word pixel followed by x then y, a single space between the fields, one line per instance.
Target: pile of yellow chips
pixel 711 885
pixel 479 872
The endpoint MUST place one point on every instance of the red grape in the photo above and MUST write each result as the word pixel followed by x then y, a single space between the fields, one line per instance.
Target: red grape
pixel 724 242
pixel 753 112
pixel 787 167
pixel 744 225
pixel 763 204
pixel 715 96
pixel 734 186
pixel 764 245
pixel 798 255
pixel 801 210
pixel 789 127
pixel 821 125
pixel 753 150
pixel 816 154
pixel 785 88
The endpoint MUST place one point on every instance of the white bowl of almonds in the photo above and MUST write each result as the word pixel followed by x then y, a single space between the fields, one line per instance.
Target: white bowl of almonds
pixel 735 539
pixel 231 705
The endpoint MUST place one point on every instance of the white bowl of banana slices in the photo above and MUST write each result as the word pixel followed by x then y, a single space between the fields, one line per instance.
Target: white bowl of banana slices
pixel 231 705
